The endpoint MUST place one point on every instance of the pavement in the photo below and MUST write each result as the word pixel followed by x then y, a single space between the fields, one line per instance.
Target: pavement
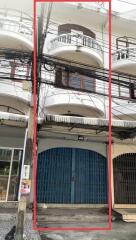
pixel 120 231
pixel 87 218
pixel 8 218
pixel 84 218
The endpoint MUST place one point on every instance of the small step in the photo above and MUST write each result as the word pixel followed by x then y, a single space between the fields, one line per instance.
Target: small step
pixel 127 214
pixel 72 217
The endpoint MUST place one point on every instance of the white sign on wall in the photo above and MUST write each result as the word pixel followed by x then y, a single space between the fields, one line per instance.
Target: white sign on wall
pixel 26 172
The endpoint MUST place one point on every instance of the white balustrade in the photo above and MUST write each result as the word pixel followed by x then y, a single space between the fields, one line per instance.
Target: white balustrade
pixel 79 40
pixel 16 22
pixel 124 54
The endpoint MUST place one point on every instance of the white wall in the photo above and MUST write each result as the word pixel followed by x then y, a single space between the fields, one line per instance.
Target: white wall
pixel 47 143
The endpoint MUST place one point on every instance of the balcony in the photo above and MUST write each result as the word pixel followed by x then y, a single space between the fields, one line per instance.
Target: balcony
pixel 124 111
pixel 77 47
pixel 15 29
pixel 14 97
pixel 124 60
pixel 66 102
pixel 15 85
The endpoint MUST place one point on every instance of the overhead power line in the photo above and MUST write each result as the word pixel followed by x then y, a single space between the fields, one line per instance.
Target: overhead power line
pixel 60 66
pixel 98 74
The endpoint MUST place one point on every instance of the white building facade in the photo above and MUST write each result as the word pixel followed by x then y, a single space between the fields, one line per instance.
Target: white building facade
pixel 72 163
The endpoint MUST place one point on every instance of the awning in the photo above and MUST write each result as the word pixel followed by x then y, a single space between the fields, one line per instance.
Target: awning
pixel 123 129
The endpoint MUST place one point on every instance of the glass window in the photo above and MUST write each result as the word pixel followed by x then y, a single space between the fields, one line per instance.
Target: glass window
pixel 5 154
pixel 15 176
pixel 10 169
pixel 5 159
pixel 78 81
pixel 89 83
pixel 124 92
pixel 75 80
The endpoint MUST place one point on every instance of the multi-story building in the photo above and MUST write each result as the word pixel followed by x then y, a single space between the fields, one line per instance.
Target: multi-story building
pixel 16 33
pixel 77 159
pixel 72 163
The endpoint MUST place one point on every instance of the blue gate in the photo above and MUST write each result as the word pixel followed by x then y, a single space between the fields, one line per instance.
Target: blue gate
pixel 71 175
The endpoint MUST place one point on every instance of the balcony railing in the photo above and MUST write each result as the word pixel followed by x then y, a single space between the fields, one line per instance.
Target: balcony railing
pixel 78 40
pixel 16 22
pixel 124 54
pixel 16 70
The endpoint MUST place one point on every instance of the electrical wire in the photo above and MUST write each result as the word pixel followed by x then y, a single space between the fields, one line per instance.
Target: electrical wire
pixel 101 87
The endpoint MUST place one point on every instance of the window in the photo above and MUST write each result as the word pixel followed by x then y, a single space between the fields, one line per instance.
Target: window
pixel 78 81
pixel 123 91
pixel 10 169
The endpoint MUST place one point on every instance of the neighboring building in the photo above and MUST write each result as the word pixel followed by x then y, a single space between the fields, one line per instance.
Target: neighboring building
pixel 16 32
pixel 72 165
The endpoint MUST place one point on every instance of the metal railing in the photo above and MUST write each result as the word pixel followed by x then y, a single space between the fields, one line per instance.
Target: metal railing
pixel 15 65
pixel 16 22
pixel 77 40
pixel 124 54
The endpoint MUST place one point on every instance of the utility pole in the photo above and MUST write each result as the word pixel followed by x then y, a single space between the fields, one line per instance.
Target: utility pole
pixel 28 159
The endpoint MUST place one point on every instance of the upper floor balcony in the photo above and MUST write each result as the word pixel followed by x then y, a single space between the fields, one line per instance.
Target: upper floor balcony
pixel 124 58
pixel 124 111
pixel 78 44
pixel 66 102
pixel 15 84
pixel 85 91
pixel 14 97
pixel 16 29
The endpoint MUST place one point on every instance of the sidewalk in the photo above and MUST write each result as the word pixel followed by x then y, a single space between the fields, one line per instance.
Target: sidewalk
pixel 8 219
pixel 120 231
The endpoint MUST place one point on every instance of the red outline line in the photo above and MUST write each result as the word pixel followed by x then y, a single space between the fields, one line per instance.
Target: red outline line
pixel 35 114
pixel 40 1
pixel 110 124
pixel 35 128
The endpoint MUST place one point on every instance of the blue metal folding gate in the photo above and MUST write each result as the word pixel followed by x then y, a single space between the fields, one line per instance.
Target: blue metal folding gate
pixel 71 175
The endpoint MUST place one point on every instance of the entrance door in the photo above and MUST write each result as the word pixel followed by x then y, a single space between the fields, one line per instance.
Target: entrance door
pixel 69 175
pixel 54 176
pixel 125 179
pixel 90 177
